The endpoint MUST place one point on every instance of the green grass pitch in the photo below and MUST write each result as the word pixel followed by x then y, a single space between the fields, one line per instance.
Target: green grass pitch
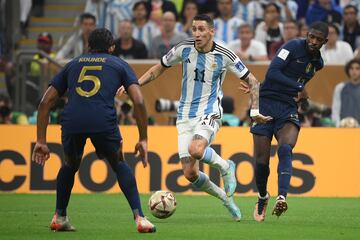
pixel 107 216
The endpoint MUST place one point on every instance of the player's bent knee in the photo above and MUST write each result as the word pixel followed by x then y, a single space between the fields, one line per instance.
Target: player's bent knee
pixel 196 151
pixel 284 150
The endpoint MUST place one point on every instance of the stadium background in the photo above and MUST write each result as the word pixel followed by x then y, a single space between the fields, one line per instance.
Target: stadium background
pixel 324 191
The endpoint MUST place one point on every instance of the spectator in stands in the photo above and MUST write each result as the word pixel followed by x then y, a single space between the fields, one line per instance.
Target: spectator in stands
pixel 188 12
pixel 226 26
pixel 247 48
pixel 229 119
pixel 288 9
pixel 356 3
pixel 270 30
pixel 158 7
pixel 346 97
pixel 77 44
pixel 303 29
pixel 351 27
pixel 126 46
pixel 250 11
pixel 168 38
pixel 116 11
pixel 143 29
pixel 302 9
pixel 5 110
pixel 291 31
pixel 336 51
pixel 323 10
pixel 44 43
pixel 98 8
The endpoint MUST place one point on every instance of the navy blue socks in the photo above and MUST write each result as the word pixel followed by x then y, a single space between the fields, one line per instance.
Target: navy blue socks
pixel 284 168
pixel 64 185
pixel 127 183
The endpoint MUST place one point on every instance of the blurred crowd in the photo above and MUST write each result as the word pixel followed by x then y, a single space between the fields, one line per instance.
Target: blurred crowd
pixel 253 29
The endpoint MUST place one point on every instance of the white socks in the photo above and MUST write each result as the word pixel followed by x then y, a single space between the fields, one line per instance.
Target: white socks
pixel 204 183
pixel 214 160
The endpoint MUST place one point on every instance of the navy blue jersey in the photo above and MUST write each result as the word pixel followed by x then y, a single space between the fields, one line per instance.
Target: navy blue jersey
pixel 289 71
pixel 92 81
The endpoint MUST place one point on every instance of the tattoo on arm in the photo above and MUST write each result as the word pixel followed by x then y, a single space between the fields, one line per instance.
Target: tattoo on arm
pixel 152 76
pixel 254 91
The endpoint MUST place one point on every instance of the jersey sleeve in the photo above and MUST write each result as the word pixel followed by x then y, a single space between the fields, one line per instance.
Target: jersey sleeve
pixel 128 76
pixel 236 66
pixel 172 57
pixel 280 61
pixel 60 82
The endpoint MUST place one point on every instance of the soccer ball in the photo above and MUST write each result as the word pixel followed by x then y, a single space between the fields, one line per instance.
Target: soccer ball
pixel 162 204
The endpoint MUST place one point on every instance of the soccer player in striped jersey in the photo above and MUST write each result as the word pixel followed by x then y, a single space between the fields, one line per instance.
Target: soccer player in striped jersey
pixel 199 114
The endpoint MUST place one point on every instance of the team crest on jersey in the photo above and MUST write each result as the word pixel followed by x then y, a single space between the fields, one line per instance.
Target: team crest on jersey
pixel 213 66
pixel 239 66
pixel 294 116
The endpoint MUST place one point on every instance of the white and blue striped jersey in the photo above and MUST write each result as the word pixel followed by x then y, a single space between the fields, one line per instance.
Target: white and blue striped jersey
pixel 118 10
pixel 146 33
pixel 203 76
pixel 227 30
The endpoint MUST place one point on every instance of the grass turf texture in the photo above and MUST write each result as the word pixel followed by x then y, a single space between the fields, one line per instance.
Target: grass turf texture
pixel 107 216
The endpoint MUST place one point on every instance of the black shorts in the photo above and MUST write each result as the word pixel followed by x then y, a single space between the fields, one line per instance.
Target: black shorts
pixel 105 143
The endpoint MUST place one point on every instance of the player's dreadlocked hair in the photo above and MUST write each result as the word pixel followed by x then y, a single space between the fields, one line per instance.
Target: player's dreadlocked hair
pixel 206 18
pixel 100 40
pixel 322 27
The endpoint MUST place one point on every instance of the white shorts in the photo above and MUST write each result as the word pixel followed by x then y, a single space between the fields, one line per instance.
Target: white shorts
pixel 206 126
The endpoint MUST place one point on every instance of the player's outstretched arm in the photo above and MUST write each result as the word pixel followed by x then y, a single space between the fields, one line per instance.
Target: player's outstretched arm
pixel 151 74
pixel 41 152
pixel 254 87
pixel 141 121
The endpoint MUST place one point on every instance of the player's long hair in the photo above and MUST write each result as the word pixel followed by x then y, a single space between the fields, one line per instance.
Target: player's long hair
pixel 100 40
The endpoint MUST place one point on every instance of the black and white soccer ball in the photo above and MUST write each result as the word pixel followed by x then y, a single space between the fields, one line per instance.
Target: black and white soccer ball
pixel 162 204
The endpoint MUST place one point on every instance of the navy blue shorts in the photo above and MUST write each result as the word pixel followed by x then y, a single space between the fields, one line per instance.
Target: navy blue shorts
pixel 281 112
pixel 104 143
